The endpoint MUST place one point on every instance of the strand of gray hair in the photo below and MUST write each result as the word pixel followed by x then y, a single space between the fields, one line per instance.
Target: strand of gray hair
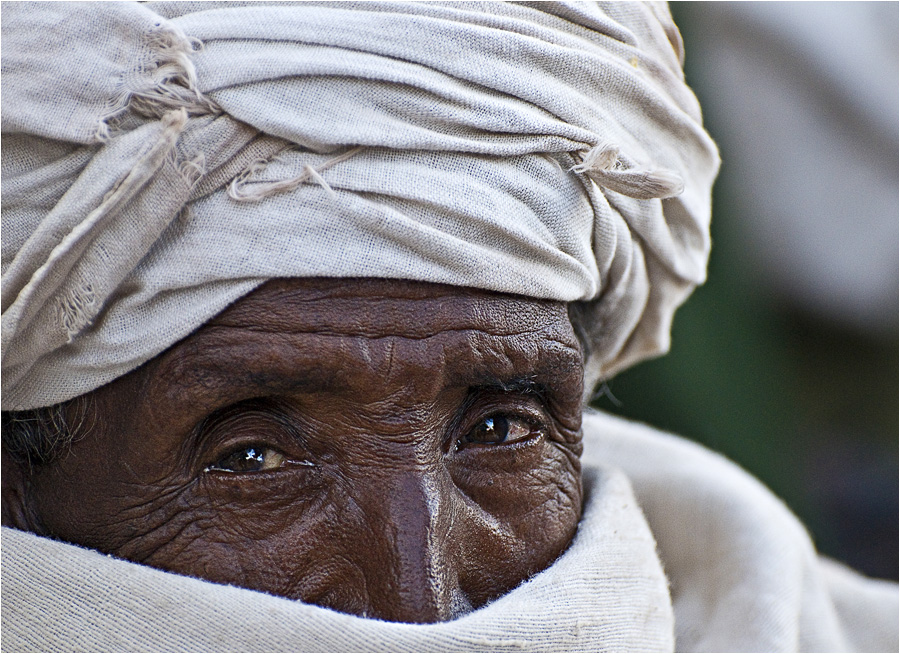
pixel 39 436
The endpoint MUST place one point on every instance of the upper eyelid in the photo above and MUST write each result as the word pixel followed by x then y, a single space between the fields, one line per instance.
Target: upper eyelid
pixel 202 432
pixel 463 421
pixel 518 387
pixel 263 406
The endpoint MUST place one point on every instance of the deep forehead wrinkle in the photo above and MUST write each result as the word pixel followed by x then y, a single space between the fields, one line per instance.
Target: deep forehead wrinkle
pixel 308 360
pixel 301 339
pixel 390 308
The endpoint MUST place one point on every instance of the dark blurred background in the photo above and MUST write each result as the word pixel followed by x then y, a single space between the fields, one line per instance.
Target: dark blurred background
pixel 786 361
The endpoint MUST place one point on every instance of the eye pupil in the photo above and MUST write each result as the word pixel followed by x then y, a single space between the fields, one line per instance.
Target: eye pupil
pixel 491 430
pixel 250 459
pixel 500 429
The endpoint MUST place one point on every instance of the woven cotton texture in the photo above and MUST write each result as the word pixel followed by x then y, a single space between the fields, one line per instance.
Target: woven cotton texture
pixel 742 573
pixel 607 592
pixel 550 150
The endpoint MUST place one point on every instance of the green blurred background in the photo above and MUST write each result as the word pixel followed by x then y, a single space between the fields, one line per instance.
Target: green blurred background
pixel 807 403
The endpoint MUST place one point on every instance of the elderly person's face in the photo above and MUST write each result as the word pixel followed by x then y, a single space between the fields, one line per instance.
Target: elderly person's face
pixel 396 450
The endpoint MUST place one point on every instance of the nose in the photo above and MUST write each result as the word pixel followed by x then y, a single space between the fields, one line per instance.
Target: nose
pixel 411 571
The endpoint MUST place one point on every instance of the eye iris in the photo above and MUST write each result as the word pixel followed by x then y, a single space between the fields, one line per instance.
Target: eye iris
pixel 250 459
pixel 253 458
pixel 491 430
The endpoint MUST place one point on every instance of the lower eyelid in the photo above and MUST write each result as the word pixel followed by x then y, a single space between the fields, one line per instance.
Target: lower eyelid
pixel 531 430
pixel 289 466
pixel 285 463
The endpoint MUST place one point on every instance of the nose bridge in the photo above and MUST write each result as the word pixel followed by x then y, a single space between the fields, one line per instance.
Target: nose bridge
pixel 414 514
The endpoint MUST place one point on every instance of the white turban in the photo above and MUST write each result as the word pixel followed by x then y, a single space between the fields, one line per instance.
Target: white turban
pixel 162 160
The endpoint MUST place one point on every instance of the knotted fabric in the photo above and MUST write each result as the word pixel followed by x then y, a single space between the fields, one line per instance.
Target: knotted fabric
pixel 162 160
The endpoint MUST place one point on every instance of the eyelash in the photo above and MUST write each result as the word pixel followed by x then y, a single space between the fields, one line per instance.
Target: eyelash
pixel 233 418
pixel 484 404
pixel 480 407
pixel 501 422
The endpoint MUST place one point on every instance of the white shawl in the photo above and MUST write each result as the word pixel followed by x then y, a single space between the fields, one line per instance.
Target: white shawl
pixel 740 575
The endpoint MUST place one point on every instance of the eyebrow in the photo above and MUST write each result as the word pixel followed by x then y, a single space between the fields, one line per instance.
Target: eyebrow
pixel 525 385
pixel 221 377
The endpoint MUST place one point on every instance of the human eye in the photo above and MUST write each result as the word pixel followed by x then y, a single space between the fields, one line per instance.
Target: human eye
pixel 500 429
pixel 256 458
pixel 255 436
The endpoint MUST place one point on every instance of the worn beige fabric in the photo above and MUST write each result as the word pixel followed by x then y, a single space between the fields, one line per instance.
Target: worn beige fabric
pixel 744 577
pixel 547 149
pixel 743 572
pixel 606 593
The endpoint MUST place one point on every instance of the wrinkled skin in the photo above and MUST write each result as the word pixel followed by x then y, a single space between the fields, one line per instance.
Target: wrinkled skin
pixel 375 486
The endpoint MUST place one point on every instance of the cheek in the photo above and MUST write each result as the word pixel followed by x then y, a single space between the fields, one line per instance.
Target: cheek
pixel 284 533
pixel 291 552
pixel 104 501
pixel 331 534
pixel 525 507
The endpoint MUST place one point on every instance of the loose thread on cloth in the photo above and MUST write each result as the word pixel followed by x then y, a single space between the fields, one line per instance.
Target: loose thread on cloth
pixel 167 81
pixel 602 165
pixel 191 170
pixel 77 305
pixel 237 192
pixel 74 309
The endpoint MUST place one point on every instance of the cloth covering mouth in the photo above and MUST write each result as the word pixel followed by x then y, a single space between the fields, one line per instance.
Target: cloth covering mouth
pixel 607 592
pixel 741 575
pixel 161 160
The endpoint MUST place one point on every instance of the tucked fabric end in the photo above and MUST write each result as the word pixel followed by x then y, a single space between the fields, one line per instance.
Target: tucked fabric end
pixel 603 165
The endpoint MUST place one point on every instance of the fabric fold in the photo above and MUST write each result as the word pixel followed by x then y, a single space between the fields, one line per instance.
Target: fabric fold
pixel 607 592
pixel 533 149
